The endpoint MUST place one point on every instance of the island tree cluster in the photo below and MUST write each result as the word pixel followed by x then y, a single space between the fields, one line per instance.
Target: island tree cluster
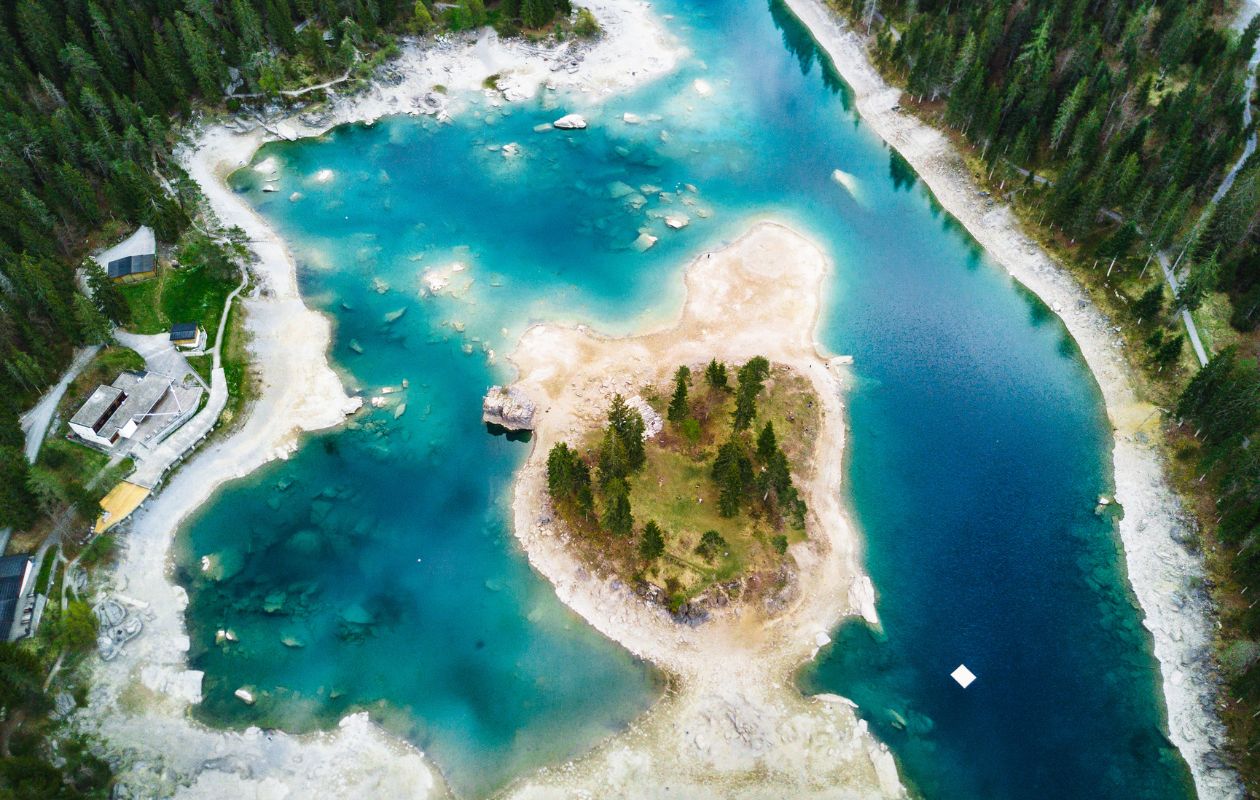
pixel 709 499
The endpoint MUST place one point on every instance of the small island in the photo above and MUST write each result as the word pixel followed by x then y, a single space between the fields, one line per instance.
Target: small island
pixel 686 491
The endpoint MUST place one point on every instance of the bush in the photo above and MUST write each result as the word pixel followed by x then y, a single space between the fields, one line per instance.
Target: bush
pixel 99 550
pixel 711 544
pixel 76 630
pixel 586 25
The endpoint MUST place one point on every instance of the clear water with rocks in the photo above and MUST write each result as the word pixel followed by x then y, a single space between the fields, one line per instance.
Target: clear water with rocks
pixel 376 570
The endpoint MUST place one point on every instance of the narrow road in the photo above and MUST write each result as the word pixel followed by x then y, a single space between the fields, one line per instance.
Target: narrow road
pixel 294 92
pixel 35 422
pixel 1249 10
pixel 1191 329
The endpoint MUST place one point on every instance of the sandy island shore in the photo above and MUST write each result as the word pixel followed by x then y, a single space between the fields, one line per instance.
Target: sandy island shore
pixel 139 702
pixel 1155 530
pixel 734 724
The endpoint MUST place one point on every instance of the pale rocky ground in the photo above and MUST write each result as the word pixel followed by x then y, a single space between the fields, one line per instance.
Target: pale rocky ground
pixel 1164 572
pixel 734 725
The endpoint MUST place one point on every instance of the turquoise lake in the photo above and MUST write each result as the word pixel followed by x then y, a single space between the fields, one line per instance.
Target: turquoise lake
pixel 375 569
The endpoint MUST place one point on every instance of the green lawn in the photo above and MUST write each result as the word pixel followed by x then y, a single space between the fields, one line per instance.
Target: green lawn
pixel 189 294
pixel 676 490
pixel 235 359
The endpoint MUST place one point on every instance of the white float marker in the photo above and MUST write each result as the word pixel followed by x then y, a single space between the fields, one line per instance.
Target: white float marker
pixel 964 676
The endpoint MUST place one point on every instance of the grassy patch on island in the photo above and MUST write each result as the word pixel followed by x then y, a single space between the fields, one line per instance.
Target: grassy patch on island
pixel 707 507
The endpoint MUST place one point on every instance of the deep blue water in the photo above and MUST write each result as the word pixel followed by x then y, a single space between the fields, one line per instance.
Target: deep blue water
pixel 978 443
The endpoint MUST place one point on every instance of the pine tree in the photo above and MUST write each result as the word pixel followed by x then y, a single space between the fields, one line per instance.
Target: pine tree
pixel 678 408
pixel 627 425
pixel 617 518
pixel 730 489
pixel 652 544
pixel 1150 305
pixel 767 444
pixel 560 479
pixel 17 503
pixel 1067 114
pixel 715 374
pixel 92 325
pixel 613 463
pixel 536 13
pixel 1202 280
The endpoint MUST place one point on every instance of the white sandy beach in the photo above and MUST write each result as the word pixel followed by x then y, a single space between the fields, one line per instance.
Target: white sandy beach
pixel 1162 571
pixel 139 702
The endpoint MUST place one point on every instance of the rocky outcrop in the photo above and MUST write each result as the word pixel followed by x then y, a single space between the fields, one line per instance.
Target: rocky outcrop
pixel 570 122
pixel 653 424
pixel 508 408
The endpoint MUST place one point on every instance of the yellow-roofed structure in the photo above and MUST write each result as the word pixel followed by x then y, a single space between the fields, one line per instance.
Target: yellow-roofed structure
pixel 119 503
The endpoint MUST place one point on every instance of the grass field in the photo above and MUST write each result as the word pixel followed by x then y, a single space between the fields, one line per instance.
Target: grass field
pixel 676 490
pixel 189 294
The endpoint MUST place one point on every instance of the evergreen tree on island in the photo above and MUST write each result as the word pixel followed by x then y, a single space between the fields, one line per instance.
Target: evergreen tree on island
pixel 678 408
pixel 652 544
pixel 627 426
pixel 617 518
pixel 750 378
pixel 715 375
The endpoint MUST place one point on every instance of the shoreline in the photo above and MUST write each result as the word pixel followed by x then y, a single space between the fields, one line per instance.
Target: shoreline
pixel 1159 567
pixel 733 708
pixel 139 702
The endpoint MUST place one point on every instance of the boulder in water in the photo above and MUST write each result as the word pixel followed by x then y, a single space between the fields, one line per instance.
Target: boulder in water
pixel 245 696
pixel 570 122
pixel 508 408
pixel 645 241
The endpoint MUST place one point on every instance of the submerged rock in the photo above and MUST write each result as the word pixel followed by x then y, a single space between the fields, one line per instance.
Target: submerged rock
pixel 570 122
pixel 508 408
pixel 645 241
pixel 677 221
pixel 619 189
pixel 356 614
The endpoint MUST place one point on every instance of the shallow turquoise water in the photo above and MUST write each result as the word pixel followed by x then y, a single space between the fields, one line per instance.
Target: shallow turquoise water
pixel 978 446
